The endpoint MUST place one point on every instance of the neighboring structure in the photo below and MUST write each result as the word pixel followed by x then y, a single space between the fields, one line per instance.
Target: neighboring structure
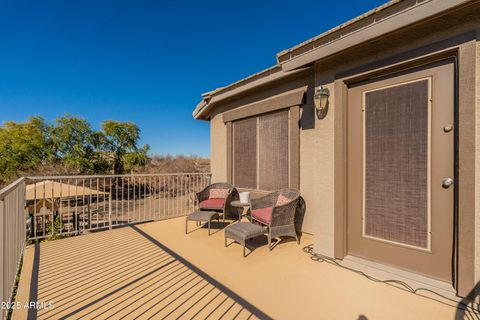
pixel 403 117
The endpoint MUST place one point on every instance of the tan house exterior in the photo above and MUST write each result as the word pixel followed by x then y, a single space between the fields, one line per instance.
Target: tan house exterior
pixel 402 45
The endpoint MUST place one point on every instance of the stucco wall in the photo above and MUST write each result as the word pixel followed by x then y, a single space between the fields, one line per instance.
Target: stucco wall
pixel 218 149
pixel 320 178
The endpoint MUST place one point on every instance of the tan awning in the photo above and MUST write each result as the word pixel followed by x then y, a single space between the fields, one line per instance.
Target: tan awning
pixel 50 189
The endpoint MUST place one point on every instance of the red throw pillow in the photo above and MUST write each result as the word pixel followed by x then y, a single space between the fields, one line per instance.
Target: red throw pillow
pixel 217 193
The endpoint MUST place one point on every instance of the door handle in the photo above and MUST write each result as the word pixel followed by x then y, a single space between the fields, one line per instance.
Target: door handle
pixel 447 183
pixel 447 128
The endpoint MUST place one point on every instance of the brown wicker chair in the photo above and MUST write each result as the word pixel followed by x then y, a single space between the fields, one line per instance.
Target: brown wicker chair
pixel 279 218
pixel 205 203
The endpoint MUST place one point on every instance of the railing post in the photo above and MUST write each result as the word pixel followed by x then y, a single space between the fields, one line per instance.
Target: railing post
pixel 110 212
pixel 2 257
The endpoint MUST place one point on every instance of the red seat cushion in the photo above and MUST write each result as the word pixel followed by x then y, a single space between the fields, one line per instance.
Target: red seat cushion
pixel 212 204
pixel 263 215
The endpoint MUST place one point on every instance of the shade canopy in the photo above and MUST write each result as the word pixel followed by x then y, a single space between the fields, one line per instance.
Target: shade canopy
pixel 50 190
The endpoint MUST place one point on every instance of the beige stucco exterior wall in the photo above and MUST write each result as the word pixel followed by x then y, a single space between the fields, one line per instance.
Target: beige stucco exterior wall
pixel 322 181
pixel 218 149
pixel 308 173
pixel 315 184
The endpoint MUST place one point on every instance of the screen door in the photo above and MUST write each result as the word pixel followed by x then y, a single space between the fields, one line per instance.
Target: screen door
pixel 400 170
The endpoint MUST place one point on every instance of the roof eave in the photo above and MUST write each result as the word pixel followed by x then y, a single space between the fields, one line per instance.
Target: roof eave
pixel 208 101
pixel 418 12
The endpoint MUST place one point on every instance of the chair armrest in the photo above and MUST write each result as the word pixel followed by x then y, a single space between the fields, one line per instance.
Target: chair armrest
pixel 203 195
pixel 284 214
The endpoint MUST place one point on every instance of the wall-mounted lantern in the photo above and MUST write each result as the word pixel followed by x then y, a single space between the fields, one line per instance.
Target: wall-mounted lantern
pixel 320 100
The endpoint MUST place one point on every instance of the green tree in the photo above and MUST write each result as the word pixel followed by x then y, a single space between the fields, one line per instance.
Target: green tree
pixel 24 146
pixel 133 160
pixel 74 143
pixel 120 144
pixel 70 146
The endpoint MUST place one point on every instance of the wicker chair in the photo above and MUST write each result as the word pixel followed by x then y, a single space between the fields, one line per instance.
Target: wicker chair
pixel 205 203
pixel 279 218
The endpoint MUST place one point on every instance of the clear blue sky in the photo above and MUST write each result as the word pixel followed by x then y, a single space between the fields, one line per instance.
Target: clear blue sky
pixel 146 61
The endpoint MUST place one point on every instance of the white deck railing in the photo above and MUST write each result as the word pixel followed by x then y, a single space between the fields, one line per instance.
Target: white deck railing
pixel 64 205
pixel 12 238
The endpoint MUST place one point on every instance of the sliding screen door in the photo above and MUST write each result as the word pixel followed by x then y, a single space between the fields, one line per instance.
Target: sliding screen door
pixel 273 151
pixel 245 153
pixel 261 151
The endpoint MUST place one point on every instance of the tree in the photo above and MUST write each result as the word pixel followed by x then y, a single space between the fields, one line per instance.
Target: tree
pixel 75 144
pixel 70 146
pixel 134 160
pixel 120 141
pixel 24 146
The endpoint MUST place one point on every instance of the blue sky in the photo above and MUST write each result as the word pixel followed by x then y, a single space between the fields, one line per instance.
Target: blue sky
pixel 146 61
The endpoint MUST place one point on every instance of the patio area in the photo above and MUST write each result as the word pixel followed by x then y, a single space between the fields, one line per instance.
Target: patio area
pixel 154 270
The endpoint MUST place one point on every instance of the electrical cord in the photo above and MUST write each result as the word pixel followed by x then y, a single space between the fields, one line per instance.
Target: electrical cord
pixel 321 258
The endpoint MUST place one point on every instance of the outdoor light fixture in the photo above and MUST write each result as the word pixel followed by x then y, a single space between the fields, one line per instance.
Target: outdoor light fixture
pixel 321 102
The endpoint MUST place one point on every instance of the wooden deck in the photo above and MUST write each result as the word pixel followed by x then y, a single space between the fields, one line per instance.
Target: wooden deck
pixel 155 271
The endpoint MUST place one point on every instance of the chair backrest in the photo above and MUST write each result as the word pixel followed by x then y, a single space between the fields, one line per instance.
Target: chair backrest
pixel 284 213
pixel 205 193
pixel 221 185
pixel 291 194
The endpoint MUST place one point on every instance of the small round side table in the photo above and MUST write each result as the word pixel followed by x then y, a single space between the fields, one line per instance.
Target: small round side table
pixel 245 206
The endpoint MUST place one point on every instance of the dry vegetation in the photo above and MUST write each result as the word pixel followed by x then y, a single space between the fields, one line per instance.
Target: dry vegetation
pixel 176 164
pixel 155 164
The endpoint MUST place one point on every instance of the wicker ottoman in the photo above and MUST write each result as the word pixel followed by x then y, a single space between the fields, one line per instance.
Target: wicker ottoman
pixel 241 231
pixel 200 216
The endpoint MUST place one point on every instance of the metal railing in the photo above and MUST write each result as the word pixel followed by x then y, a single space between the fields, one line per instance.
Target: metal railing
pixel 47 207
pixel 64 205
pixel 12 238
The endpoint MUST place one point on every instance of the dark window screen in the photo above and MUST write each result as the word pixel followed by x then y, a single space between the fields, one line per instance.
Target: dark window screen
pixel 273 151
pixel 245 153
pixel 396 163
